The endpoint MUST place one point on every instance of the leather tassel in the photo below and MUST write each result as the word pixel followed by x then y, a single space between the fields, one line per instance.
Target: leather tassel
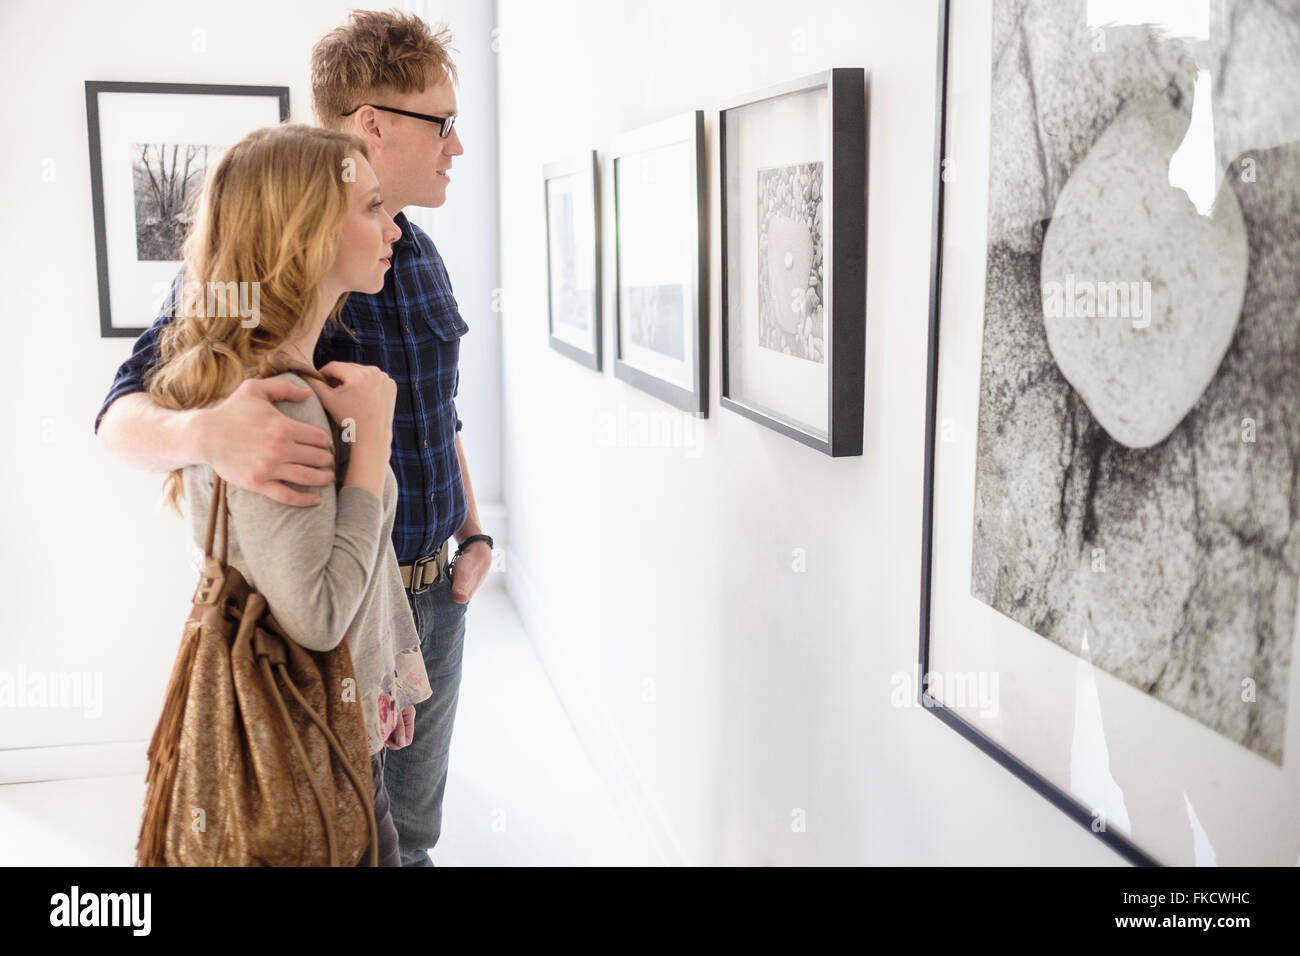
pixel 162 756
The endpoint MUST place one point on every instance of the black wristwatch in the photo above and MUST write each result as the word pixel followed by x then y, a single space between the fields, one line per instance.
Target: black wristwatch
pixel 466 543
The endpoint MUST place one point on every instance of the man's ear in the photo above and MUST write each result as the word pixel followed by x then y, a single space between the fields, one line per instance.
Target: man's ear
pixel 370 125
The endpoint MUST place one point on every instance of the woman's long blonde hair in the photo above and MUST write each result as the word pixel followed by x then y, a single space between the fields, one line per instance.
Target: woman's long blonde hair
pixel 269 221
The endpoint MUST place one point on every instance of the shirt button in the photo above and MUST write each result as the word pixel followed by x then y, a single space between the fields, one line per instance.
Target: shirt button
pixel 432 496
pixel 408 329
pixel 426 443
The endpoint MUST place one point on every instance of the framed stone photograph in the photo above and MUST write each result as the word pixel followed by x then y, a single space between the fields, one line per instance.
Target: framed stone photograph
pixel 661 267
pixel 150 146
pixel 573 258
pixel 1111 526
pixel 793 164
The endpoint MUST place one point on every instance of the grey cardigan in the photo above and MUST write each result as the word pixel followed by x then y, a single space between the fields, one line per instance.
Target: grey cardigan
pixel 328 572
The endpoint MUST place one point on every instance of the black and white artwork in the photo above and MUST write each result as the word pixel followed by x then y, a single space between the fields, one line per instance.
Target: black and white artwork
pixel 656 318
pixel 573 258
pixel 657 180
pixel 793 161
pixel 1110 540
pixel 1138 462
pixel 572 303
pixel 151 145
pixel 168 179
pixel 791 317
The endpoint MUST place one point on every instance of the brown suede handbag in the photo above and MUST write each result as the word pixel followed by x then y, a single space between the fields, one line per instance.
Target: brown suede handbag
pixel 260 757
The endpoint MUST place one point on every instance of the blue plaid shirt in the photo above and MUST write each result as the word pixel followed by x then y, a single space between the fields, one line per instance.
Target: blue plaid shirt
pixel 411 329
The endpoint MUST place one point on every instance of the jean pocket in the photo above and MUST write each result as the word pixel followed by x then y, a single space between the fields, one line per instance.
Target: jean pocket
pixel 413 602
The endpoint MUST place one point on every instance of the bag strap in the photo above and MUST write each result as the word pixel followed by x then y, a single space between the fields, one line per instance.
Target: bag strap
pixel 218 506
pixel 365 796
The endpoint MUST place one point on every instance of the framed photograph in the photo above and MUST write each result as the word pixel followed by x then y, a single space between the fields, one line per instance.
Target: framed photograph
pixel 793 162
pixel 573 258
pixel 662 297
pixel 1111 540
pixel 150 145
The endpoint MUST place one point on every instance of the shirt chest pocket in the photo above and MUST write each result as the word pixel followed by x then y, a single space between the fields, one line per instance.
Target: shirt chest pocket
pixel 446 328
pixel 442 319
pixel 448 376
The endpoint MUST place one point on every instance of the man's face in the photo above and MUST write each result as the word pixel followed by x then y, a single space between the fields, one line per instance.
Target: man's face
pixel 412 160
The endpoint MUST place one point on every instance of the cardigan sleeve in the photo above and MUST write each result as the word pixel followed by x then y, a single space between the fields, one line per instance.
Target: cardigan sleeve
pixel 312 564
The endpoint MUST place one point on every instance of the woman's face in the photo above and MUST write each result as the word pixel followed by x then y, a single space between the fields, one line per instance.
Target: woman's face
pixel 366 244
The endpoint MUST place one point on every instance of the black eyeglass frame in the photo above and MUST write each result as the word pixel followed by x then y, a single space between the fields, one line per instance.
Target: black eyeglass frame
pixel 445 123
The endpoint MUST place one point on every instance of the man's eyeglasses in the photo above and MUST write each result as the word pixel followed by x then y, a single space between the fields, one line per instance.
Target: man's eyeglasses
pixel 445 123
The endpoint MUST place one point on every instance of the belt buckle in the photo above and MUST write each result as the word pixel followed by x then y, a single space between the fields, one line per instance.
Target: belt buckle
pixel 417 573
pixel 418 569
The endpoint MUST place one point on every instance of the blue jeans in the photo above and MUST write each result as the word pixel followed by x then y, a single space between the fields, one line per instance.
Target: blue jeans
pixel 416 776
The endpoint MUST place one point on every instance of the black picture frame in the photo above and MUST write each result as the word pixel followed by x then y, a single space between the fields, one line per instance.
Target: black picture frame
pixel 846 230
pixel 587 168
pixel 686 127
pixel 1063 801
pixel 93 90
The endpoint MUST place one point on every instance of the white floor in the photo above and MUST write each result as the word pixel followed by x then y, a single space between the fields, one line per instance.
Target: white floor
pixel 520 790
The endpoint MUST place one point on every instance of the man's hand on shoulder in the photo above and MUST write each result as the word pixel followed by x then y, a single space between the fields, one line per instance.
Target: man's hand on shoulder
pixel 253 445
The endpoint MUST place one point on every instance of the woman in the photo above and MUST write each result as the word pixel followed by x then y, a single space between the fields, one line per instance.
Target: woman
pixel 296 213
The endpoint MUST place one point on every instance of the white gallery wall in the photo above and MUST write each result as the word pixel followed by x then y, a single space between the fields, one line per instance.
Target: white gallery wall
pixel 726 612
pixel 96 579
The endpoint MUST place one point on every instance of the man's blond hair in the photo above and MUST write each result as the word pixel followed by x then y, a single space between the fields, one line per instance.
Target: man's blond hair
pixel 376 51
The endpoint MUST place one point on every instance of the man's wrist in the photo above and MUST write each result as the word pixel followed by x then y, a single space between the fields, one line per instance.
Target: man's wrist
pixel 193 428
pixel 477 537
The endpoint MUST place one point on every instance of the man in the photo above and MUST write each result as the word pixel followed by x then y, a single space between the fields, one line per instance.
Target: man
pixel 386 77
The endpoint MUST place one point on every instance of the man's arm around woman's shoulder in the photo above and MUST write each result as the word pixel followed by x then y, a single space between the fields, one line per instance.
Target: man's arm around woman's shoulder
pixel 313 565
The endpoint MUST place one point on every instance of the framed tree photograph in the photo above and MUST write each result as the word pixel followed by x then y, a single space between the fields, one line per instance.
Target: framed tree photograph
pixel 793 165
pixel 1111 532
pixel 150 146
pixel 661 267
pixel 573 258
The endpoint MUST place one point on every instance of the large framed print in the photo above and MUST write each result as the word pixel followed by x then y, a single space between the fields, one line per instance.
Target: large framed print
pixel 793 165
pixel 573 258
pixel 661 341
pixel 150 145
pixel 1111 530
